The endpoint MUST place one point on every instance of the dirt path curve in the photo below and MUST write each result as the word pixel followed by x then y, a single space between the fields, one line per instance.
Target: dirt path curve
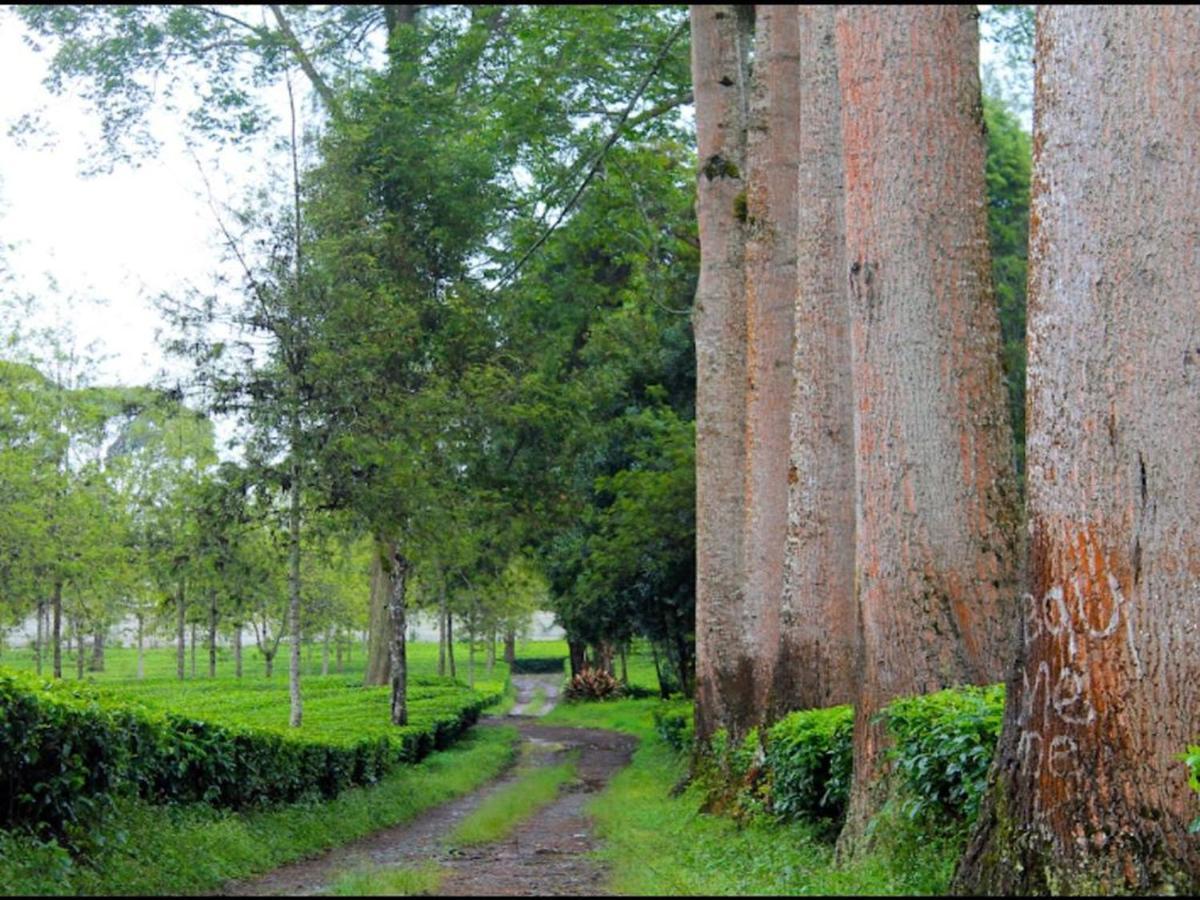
pixel 545 856
pixel 527 686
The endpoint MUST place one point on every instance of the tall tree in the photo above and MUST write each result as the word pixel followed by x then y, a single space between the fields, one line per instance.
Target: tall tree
pixel 818 618
pixel 936 514
pixel 1087 791
pixel 726 642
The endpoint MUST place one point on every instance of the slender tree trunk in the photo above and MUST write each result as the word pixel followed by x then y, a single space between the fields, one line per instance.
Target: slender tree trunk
pixel 726 639
pixel 77 629
pixel 577 651
pixel 398 567
pixel 378 647
pixel 180 651
pixel 510 646
pixel 193 631
pixel 1087 792
pixel 491 653
pixel 937 537
pixel 40 639
pixel 819 637
pixel 663 692
pixel 97 661
pixel 237 650
pixel 450 642
pixel 339 641
pixel 471 647
pixel 441 622
pixel 212 635
pixel 269 659
pixel 141 651
pixel 624 667
pixel 296 715
pixel 56 627
pixel 325 650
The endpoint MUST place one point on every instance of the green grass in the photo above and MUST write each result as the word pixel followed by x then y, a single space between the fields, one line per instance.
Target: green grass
pixel 658 844
pixel 193 848
pixel 389 882
pixel 536 702
pixel 504 810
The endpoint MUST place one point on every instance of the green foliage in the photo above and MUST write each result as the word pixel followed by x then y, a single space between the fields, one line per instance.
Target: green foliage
pixel 943 746
pixel 810 755
pixel 1007 172
pixel 523 665
pixel 676 728
pixel 1192 759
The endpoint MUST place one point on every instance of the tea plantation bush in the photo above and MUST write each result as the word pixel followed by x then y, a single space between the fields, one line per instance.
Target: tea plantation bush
pixel 942 746
pixel 67 749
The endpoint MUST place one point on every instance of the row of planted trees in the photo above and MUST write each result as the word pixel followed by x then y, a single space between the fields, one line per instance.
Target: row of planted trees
pixel 859 521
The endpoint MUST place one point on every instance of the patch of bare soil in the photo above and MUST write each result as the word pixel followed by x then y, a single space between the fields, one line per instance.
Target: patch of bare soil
pixel 545 856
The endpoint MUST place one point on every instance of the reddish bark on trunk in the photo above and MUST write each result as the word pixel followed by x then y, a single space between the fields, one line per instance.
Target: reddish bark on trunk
pixel 1088 794
pixel 936 538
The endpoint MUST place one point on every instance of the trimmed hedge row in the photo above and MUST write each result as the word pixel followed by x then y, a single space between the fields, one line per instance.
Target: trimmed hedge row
pixel 66 750
pixel 942 746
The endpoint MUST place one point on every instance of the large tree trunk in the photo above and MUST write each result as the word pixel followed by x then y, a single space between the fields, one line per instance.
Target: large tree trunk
pixel 378 646
pixel 56 627
pixel 819 637
pixel 936 536
pixel 1088 794
pixel 726 637
pixel 398 567
pixel 770 214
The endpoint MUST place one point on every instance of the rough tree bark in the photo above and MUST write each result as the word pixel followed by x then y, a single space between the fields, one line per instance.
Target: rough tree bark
pixel 1087 792
pixel 819 640
pixel 726 647
pixel 936 531
pixel 769 213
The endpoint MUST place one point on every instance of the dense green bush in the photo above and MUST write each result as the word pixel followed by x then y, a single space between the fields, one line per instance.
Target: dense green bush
pixel 943 746
pixel 536 665
pixel 65 750
pixel 810 755
pixel 676 727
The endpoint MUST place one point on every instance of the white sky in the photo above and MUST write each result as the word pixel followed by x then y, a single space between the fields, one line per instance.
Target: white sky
pixel 121 238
